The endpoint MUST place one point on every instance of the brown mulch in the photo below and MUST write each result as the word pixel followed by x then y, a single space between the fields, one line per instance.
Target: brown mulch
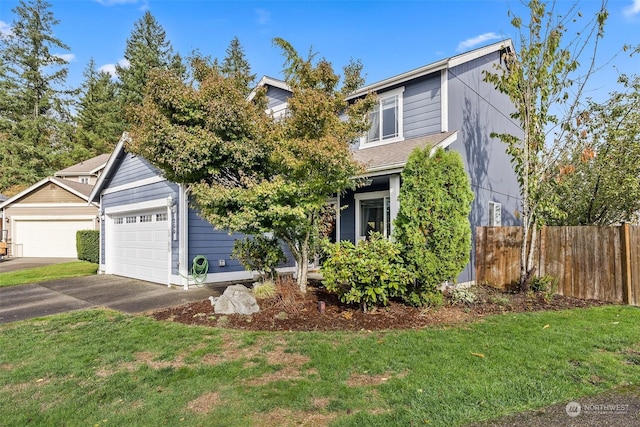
pixel 292 311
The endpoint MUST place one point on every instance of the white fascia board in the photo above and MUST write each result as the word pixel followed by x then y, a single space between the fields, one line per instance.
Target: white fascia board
pixel 400 78
pixel 134 184
pixel 25 192
pixel 52 205
pixel 41 183
pixel 444 143
pixel 97 188
pixel 136 207
pixel 266 80
pixel 430 68
pixel 478 53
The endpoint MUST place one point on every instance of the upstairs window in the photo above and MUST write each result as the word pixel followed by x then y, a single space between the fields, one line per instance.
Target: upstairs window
pixel 386 119
pixel 84 180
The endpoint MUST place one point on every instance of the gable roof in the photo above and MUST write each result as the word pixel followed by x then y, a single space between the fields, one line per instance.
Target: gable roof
pixel 86 167
pixel 117 154
pixel 388 158
pixel 433 67
pixel 266 80
pixel 78 189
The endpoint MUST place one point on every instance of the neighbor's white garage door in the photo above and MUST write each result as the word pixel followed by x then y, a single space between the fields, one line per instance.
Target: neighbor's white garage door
pixel 48 239
pixel 139 246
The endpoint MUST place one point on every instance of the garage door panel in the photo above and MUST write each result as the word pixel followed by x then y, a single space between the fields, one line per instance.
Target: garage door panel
pixel 48 238
pixel 139 249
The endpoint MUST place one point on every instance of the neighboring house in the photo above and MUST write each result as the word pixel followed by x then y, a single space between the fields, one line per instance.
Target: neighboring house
pixel 42 220
pixel 149 231
pixel 86 172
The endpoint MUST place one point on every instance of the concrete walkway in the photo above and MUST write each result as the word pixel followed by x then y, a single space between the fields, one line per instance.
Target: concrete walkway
pixel 118 293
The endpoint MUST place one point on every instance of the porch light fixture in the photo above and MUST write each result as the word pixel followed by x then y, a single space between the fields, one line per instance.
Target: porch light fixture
pixel 169 201
pixel 368 181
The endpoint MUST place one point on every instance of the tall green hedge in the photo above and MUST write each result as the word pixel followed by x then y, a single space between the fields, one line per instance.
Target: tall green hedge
pixel 88 245
pixel 432 224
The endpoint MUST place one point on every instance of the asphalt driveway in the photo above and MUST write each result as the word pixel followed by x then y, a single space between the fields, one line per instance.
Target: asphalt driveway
pixel 118 293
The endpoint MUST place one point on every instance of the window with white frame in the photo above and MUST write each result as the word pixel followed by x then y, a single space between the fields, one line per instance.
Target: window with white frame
pixel 84 180
pixel 373 214
pixel 386 119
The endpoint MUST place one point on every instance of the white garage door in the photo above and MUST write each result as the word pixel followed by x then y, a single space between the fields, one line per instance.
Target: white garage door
pixel 139 246
pixel 48 239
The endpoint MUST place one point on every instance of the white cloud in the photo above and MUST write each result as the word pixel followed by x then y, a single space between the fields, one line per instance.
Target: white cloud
pixel 69 57
pixel 633 9
pixel 475 41
pixel 5 28
pixel 264 16
pixel 111 68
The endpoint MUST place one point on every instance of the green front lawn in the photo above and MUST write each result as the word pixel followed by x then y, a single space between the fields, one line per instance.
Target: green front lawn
pixel 47 273
pixel 102 368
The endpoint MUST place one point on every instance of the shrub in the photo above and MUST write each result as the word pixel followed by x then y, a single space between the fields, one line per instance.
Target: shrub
pixel 463 296
pixel 432 225
pixel 266 289
pixel 368 273
pixel 259 253
pixel 88 245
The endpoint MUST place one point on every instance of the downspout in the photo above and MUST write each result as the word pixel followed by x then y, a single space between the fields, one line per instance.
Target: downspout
pixel 103 232
pixel 183 232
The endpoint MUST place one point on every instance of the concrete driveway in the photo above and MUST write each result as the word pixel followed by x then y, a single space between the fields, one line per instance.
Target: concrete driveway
pixel 13 264
pixel 118 293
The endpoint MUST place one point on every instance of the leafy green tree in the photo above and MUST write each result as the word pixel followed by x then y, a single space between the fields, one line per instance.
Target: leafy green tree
pixel 36 118
pixel 598 179
pixel 247 171
pixel 540 79
pixel 147 49
pixel 432 225
pixel 99 118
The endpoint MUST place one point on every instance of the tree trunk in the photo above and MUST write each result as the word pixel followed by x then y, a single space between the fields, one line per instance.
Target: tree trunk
pixel 302 269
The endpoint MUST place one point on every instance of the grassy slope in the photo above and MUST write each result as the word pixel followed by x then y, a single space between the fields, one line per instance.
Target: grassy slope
pixel 49 272
pixel 102 368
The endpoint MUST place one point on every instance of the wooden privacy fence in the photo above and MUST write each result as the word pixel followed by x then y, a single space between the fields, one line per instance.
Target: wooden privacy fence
pixel 588 262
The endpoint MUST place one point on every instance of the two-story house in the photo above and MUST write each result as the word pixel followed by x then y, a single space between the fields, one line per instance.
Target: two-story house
pixel 149 231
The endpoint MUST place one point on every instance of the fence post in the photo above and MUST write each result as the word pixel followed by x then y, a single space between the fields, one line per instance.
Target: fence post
pixel 626 262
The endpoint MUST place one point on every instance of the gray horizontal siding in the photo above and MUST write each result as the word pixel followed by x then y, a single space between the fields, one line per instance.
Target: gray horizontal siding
pixel 277 96
pixel 132 169
pixel 144 193
pixel 211 243
pixel 421 107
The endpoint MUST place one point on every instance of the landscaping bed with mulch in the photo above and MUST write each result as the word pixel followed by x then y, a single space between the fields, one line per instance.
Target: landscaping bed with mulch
pixel 289 310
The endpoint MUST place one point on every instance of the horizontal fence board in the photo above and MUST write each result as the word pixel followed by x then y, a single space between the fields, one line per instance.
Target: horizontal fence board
pixel 588 262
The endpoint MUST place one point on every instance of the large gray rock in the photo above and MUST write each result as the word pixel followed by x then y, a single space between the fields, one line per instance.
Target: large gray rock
pixel 235 299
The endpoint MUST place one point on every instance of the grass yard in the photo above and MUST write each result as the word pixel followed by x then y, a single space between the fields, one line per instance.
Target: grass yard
pixel 47 273
pixel 102 368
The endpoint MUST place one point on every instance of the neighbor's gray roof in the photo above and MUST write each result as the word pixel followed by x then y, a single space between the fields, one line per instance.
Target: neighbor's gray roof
pixel 84 189
pixel 86 167
pixel 394 156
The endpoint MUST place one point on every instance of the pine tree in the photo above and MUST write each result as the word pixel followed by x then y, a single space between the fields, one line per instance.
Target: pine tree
pixel 236 66
pixel 34 103
pixel 147 49
pixel 99 117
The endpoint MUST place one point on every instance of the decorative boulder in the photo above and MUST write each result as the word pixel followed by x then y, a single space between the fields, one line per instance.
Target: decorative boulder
pixel 235 299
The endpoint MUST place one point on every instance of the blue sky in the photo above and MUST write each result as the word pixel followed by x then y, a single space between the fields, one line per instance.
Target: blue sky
pixel 389 37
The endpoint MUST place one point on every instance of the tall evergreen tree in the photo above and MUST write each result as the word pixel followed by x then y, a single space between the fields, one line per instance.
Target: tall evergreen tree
pixel 236 66
pixel 34 101
pixel 99 118
pixel 147 49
